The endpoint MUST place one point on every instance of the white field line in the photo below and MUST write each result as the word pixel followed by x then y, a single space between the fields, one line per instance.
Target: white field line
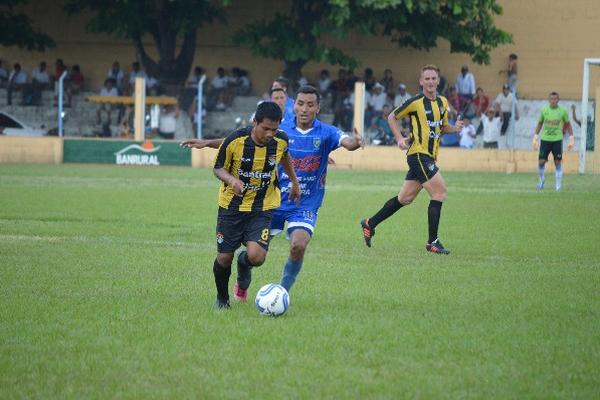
pixel 101 240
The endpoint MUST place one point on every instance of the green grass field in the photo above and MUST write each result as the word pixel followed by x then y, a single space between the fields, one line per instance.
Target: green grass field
pixel 106 291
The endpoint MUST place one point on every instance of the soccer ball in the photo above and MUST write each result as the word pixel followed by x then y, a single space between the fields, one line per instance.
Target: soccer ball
pixel 272 299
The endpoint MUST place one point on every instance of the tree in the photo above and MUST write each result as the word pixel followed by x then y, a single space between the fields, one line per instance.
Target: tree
pixel 166 21
pixel 17 29
pixel 297 37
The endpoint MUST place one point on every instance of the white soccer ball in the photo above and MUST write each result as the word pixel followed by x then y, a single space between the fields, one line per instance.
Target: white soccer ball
pixel 272 299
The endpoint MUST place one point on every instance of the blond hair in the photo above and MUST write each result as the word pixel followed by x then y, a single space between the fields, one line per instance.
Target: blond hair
pixel 430 67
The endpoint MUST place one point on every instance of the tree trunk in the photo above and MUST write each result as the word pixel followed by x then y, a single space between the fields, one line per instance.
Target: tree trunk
pixel 293 72
pixel 170 71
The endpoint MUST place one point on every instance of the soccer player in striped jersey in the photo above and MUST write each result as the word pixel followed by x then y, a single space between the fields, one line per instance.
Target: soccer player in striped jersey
pixel 311 141
pixel 247 164
pixel 428 115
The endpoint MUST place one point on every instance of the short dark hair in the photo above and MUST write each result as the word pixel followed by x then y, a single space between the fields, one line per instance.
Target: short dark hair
pixel 268 110
pixel 308 89
pixel 554 94
pixel 277 89
pixel 283 82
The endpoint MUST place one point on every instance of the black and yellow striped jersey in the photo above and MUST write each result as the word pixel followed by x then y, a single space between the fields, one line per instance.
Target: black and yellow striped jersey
pixel 427 117
pixel 255 166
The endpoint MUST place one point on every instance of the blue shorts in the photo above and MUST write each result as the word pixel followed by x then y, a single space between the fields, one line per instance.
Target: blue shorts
pixel 296 219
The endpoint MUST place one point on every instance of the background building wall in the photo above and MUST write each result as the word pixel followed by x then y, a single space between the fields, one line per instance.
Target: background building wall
pixel 551 38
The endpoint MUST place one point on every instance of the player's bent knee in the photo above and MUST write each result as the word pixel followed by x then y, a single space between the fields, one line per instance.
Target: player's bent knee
pixel 257 259
pixel 225 259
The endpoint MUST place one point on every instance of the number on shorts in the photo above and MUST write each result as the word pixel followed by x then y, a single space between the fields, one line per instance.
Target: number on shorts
pixel 265 234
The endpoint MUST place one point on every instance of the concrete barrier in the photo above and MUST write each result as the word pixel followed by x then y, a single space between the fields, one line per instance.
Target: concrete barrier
pixel 31 150
pixel 49 150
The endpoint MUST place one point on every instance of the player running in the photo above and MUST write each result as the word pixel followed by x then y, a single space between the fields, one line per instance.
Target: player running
pixel 311 141
pixel 428 114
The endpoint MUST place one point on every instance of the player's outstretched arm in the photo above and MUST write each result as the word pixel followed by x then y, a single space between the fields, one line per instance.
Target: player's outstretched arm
pixel 201 143
pixel 353 143
pixel 288 168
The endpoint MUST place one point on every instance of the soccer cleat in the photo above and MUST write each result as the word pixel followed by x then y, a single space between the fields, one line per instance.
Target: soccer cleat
pixel 436 247
pixel 239 293
pixel 368 232
pixel 558 187
pixel 540 184
pixel 221 305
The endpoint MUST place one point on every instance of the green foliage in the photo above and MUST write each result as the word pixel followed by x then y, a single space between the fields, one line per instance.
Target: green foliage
pixel 107 287
pixel 127 18
pixel 297 36
pixel 17 29
pixel 164 20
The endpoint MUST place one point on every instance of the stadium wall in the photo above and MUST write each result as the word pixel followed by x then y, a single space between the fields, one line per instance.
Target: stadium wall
pixel 551 38
pixel 386 158
pixel 31 150
pixel 47 150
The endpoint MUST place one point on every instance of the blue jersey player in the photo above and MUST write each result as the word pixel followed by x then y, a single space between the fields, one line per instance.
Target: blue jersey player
pixel 310 142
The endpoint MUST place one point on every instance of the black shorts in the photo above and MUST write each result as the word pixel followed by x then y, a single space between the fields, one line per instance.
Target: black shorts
pixel 546 147
pixel 421 167
pixel 235 228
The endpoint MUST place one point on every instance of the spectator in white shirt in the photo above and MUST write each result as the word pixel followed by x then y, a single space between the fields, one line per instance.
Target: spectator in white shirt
pixel 40 80
pixel 375 102
pixel 505 101
pixel 491 128
pixel 216 91
pixel 465 87
pixel 467 134
pixel 324 83
pixel 401 95
pixel 16 82
pixel 136 72
pixel 107 90
pixel 116 74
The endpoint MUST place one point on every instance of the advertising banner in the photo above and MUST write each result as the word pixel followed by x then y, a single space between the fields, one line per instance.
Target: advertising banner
pixel 125 152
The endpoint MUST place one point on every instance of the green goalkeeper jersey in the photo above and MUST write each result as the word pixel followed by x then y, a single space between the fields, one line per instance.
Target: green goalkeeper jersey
pixel 553 120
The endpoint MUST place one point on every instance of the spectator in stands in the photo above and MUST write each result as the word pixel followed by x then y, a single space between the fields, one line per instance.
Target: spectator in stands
pixel 116 74
pixel 453 103
pixel 194 79
pixel 17 81
pixel 216 91
pixel 388 85
pixel 465 88
pixel 339 90
pixel 492 123
pixel 136 72
pixel 511 73
pixel 3 75
pixel 59 68
pixel 505 101
pixel 107 90
pixel 241 84
pixel 351 79
pixel 369 79
pixel 442 88
pixel 75 83
pixel 481 102
pixel 152 86
pixel 467 134
pixel 384 135
pixel 40 80
pixel 324 85
pixel 375 102
pixel 168 122
pixel 401 95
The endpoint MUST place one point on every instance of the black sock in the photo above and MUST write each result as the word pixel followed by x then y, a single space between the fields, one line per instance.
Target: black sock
pixel 388 209
pixel 222 275
pixel 244 275
pixel 243 260
pixel 433 212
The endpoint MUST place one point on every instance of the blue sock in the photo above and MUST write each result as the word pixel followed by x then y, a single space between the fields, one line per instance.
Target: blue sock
pixel 541 171
pixel 291 269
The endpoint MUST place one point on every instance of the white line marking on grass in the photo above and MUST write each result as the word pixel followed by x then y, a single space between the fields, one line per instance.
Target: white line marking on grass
pixel 105 240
